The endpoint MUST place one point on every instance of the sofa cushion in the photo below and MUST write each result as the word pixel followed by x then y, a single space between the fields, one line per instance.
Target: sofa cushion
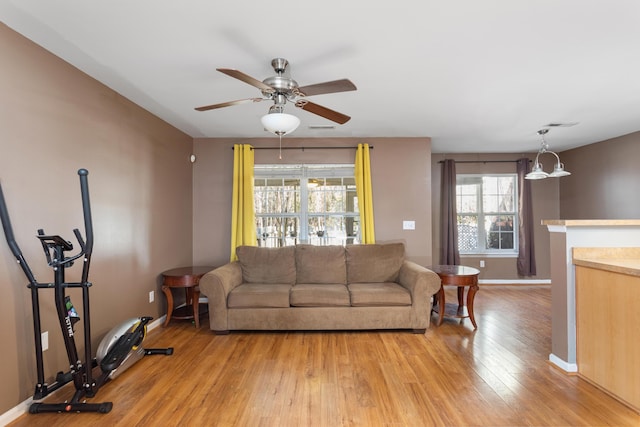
pixel 267 265
pixel 251 295
pixel 321 264
pixel 378 294
pixel 320 295
pixel 374 263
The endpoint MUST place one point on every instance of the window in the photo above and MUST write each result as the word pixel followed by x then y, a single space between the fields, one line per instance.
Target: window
pixel 487 214
pixel 315 204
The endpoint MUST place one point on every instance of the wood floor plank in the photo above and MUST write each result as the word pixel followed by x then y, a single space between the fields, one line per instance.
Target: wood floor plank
pixel 452 375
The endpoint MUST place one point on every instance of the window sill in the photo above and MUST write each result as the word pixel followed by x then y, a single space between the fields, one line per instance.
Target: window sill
pixel 490 255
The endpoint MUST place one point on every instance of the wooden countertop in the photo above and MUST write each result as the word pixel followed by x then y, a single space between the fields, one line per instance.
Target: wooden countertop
pixel 591 222
pixel 616 260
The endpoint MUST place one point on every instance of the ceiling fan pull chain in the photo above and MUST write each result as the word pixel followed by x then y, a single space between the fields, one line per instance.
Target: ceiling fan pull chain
pixel 280 154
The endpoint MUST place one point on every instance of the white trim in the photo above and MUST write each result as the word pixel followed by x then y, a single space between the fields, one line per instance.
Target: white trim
pixel 159 321
pixel 557 228
pixel 23 407
pixel 565 366
pixel 514 282
pixel 502 254
pixel 15 412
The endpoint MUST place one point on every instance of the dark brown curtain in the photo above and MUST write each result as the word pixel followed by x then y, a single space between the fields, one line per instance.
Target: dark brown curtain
pixel 449 254
pixel 526 248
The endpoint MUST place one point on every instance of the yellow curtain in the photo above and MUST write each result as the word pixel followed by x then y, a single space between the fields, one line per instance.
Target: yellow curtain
pixel 243 224
pixel 365 194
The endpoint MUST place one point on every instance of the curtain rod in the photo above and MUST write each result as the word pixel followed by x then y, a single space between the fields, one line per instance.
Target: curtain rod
pixel 306 148
pixel 483 161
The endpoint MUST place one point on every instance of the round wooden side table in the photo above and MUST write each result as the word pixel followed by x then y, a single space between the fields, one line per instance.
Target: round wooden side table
pixel 186 278
pixel 460 276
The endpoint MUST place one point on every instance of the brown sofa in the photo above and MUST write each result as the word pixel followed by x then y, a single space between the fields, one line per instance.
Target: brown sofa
pixel 307 287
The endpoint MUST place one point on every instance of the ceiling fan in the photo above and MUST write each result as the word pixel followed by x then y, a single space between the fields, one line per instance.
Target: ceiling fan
pixel 282 88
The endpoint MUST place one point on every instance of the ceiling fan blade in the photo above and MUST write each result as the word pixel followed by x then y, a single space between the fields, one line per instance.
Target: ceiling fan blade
pixel 227 104
pixel 344 85
pixel 246 78
pixel 323 111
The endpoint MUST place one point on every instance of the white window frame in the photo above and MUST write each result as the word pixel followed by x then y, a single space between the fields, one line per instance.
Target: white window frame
pixel 481 215
pixel 304 172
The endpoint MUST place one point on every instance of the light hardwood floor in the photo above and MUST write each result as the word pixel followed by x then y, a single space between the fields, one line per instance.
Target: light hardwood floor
pixel 497 375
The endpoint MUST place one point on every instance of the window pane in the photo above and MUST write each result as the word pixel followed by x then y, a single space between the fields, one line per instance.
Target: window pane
pixel 328 196
pixel 467 198
pixel 351 199
pixel 275 231
pixel 499 231
pixel 316 200
pixel 490 203
pixel 467 233
pixel 333 229
pixel 334 182
pixel 498 194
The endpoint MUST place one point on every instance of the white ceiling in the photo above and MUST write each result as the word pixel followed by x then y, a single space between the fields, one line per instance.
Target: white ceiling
pixel 474 75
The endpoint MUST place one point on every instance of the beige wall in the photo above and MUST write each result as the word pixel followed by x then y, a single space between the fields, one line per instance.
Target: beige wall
pixel 604 182
pixel 401 180
pixel 545 206
pixel 53 121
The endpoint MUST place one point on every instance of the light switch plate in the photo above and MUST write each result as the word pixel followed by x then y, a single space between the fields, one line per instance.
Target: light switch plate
pixel 408 225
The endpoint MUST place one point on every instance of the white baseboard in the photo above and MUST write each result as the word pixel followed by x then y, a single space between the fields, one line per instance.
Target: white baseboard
pixel 23 407
pixel 157 322
pixel 15 412
pixel 565 366
pixel 514 282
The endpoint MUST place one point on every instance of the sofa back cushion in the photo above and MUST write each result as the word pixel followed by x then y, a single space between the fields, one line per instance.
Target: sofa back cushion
pixel 267 265
pixel 375 263
pixel 321 265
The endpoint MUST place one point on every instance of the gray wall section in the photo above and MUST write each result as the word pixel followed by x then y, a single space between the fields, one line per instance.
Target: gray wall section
pixel 605 180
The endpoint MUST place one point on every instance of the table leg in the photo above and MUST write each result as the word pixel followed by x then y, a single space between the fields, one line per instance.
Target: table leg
pixel 470 297
pixel 196 305
pixel 169 295
pixel 441 305
pixel 460 297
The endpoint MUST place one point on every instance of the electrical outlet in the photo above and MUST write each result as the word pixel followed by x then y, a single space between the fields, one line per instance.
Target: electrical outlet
pixel 481 263
pixel 152 296
pixel 45 340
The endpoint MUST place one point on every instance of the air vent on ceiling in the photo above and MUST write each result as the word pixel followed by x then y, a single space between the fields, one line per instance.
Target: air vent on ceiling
pixel 560 125
pixel 322 127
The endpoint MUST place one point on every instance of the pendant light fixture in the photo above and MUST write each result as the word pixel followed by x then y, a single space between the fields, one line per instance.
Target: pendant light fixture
pixel 537 172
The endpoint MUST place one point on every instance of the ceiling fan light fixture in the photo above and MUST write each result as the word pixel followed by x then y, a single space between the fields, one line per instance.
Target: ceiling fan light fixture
pixel 280 123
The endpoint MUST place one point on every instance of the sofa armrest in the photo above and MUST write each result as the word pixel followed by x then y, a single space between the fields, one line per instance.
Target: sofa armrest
pixel 420 281
pixel 216 285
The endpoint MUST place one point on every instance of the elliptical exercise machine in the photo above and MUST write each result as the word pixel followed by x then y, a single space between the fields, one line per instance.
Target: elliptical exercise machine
pixel 120 348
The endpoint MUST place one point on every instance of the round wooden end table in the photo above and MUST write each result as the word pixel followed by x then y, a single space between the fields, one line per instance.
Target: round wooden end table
pixel 186 278
pixel 460 276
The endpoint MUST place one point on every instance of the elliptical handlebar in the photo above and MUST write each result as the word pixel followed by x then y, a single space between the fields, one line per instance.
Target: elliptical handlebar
pixel 87 246
pixel 11 241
